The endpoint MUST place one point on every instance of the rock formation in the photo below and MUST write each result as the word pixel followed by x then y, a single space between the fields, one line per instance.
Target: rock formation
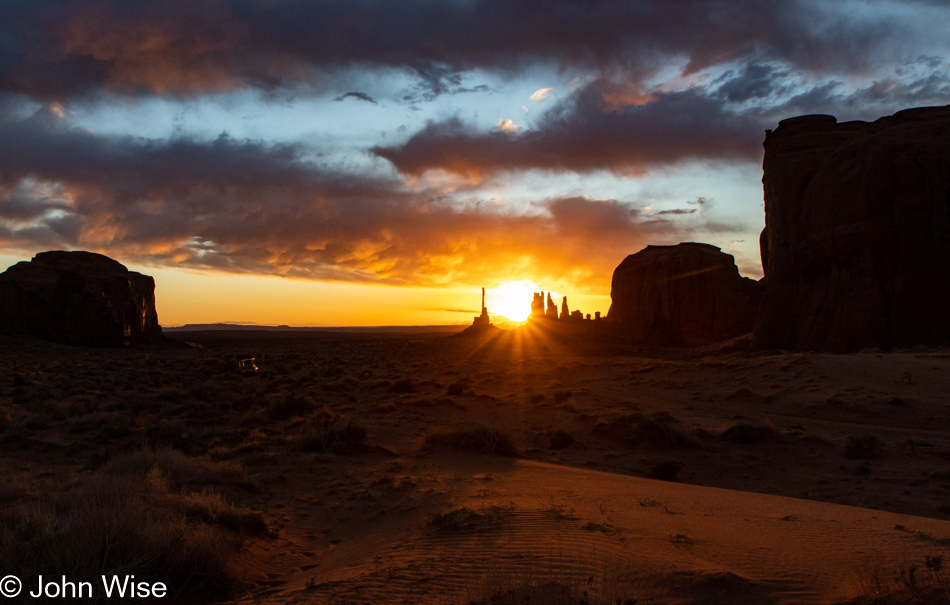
pixel 78 298
pixel 538 310
pixel 482 320
pixel 685 295
pixel 551 312
pixel 537 306
pixel 856 246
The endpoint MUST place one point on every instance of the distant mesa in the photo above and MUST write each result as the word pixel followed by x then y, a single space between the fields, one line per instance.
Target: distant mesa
pixel 856 246
pixel 78 298
pixel 689 294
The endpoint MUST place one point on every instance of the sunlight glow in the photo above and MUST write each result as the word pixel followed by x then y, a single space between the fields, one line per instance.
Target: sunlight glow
pixel 511 299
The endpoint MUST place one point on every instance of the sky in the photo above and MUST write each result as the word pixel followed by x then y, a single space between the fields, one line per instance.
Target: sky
pixel 370 162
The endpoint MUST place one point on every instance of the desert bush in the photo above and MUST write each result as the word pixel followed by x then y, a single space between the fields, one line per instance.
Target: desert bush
pixel 210 391
pixel 178 468
pixel 115 523
pixel 291 406
pixel 482 439
pixel 402 387
pixel 568 580
pixel 649 431
pixel 168 434
pixel 211 508
pixel 467 518
pixel 862 447
pixel 325 433
pixel 666 470
pixel 458 388
pixel 748 434
pixel 560 440
pixel 911 583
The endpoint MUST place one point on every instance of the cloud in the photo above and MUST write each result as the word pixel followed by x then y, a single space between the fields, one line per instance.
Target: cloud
pixel 246 206
pixel 508 126
pixel 587 133
pixel 362 96
pixel 540 94
pixel 678 211
pixel 56 50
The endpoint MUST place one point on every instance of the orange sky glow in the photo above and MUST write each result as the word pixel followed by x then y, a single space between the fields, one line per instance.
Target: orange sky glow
pixel 206 297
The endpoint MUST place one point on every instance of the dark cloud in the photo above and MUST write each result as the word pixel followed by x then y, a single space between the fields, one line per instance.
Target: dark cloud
pixel 246 206
pixel 755 81
pixel 58 48
pixel 678 211
pixel 884 96
pixel 362 96
pixel 602 126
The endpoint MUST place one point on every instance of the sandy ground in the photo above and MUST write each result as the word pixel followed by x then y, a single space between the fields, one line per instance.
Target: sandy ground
pixel 479 467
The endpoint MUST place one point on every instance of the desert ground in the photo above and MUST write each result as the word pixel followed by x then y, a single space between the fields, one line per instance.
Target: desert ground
pixel 510 467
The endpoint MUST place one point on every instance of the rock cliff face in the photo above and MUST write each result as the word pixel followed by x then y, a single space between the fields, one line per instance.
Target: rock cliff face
pixel 856 246
pixel 685 295
pixel 78 298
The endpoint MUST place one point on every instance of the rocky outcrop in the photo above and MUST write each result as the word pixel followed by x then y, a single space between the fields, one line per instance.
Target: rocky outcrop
pixel 483 319
pixel 684 295
pixel 565 311
pixel 78 298
pixel 551 312
pixel 856 246
pixel 537 306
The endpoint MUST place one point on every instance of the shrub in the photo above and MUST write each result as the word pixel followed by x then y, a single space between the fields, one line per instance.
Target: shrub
pixel 482 439
pixel 458 388
pixel 465 518
pixel 748 434
pixel 666 470
pixel 325 434
pixel 119 520
pixel 863 447
pixel 167 433
pixel 291 406
pixel 402 387
pixel 561 439
pixel 650 431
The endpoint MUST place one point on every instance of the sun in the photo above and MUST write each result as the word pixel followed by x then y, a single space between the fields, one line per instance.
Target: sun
pixel 511 299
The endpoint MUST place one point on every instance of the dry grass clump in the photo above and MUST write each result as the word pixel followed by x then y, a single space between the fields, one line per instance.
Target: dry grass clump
pixel 666 470
pixel 466 518
pixel 402 387
pixel 180 469
pixel 481 439
pixel 211 508
pixel 656 431
pixel 291 406
pixel 564 580
pixel 911 584
pixel 459 388
pixel 126 520
pixel 560 440
pixel 749 434
pixel 863 447
pixel 325 433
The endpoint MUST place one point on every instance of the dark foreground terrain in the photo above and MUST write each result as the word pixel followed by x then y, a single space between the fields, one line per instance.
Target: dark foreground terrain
pixel 405 468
